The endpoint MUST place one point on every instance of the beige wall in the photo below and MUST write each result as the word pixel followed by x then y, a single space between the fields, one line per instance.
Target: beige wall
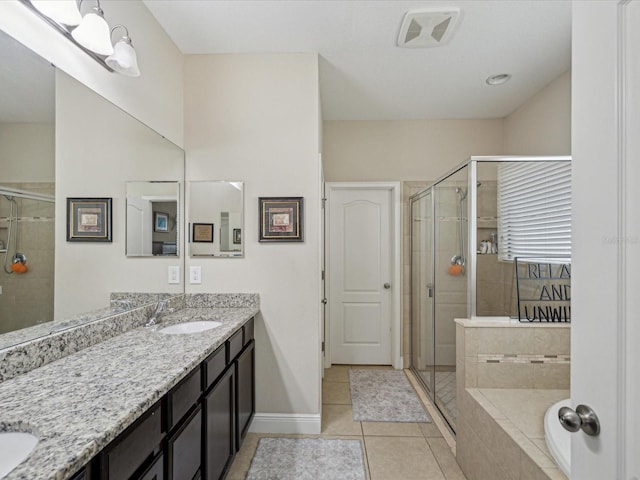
pixel 99 167
pixel 27 152
pixel 542 125
pixel 155 97
pixel 404 150
pixel 254 118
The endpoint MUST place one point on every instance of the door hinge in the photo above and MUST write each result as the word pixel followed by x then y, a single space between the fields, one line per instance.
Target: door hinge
pixel 324 201
pixel 323 347
pixel 324 301
pixel 322 277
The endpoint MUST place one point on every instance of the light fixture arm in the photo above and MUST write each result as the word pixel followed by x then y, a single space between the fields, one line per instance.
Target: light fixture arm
pixel 126 38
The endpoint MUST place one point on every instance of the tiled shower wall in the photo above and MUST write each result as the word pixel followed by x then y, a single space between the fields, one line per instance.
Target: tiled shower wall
pixel 27 299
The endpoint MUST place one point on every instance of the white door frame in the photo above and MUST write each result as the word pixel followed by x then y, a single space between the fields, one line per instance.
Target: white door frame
pixel 396 291
pixel 605 333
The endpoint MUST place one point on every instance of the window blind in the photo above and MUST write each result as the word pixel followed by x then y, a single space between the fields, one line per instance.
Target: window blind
pixel 534 211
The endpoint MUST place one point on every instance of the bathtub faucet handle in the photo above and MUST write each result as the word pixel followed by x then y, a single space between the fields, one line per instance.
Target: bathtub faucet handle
pixel 582 418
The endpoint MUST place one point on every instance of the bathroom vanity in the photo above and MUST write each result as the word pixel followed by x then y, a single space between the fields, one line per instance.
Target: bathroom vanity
pixel 142 404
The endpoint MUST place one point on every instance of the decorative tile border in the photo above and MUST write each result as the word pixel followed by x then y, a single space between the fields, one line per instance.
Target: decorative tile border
pixel 522 358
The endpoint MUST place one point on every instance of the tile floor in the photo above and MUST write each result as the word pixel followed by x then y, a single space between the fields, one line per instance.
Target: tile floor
pixel 393 451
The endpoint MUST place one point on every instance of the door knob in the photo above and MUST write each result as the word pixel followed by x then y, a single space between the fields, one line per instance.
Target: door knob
pixel 582 418
pixel 387 286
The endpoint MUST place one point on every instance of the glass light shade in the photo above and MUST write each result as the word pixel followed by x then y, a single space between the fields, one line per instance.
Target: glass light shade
pixel 124 59
pixel 93 33
pixel 62 11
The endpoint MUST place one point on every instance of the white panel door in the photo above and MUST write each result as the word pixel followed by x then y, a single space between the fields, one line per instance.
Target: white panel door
pixel 139 226
pixel 605 331
pixel 360 255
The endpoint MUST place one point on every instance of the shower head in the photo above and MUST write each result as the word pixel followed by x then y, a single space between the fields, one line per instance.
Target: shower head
pixel 462 192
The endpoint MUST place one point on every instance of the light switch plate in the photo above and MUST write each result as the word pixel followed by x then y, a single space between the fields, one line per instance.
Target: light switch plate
pixel 174 274
pixel 195 275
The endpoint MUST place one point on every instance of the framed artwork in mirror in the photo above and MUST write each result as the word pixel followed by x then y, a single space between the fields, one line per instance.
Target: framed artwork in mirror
pixel 237 236
pixel 89 220
pixel 281 219
pixel 202 233
pixel 160 222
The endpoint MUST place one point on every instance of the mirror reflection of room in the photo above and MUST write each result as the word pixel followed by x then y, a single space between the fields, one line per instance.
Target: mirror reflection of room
pixel 152 218
pixel 215 218
pixel 27 187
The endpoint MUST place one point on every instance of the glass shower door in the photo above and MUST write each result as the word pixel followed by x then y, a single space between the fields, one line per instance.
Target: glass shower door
pixel 422 353
pixel 451 254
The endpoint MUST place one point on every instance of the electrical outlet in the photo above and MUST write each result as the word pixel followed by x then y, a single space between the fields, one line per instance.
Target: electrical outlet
pixel 174 274
pixel 195 275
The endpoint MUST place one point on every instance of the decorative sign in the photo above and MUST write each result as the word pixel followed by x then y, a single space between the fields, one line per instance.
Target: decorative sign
pixel 544 291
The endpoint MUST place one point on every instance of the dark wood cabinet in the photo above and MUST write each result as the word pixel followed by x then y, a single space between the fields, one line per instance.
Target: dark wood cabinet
pixel 155 471
pixel 184 448
pixel 245 391
pixel 195 430
pixel 219 444
pixel 134 449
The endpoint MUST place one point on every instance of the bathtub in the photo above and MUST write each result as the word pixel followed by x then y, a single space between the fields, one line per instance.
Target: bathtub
pixel 557 438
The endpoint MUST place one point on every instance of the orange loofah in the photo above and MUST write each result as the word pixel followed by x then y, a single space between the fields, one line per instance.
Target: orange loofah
pixel 19 267
pixel 455 269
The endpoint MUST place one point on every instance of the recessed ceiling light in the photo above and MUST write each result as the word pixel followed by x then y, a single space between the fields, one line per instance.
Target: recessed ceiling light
pixel 498 79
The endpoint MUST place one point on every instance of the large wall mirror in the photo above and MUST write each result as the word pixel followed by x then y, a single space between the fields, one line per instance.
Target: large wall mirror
pixel 152 218
pixel 216 219
pixel 84 147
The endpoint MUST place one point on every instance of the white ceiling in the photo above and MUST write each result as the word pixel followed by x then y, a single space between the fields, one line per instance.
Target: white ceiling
pixel 364 75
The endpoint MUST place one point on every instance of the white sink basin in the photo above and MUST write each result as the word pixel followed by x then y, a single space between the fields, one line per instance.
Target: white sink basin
pixel 190 327
pixel 14 448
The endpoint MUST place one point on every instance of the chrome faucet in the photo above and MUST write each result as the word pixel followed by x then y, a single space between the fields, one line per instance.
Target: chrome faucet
pixel 158 313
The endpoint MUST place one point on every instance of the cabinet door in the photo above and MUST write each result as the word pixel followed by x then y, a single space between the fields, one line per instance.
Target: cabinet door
pixel 185 448
pixel 220 426
pixel 246 399
pixel 156 471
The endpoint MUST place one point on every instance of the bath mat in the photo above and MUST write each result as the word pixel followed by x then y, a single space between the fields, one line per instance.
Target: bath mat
pixel 307 459
pixel 384 396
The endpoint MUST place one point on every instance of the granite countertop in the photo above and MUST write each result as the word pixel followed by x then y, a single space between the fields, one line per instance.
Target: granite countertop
pixel 80 403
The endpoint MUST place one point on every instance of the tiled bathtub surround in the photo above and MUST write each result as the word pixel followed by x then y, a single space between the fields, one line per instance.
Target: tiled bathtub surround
pixel 505 439
pixel 508 354
pixel 508 375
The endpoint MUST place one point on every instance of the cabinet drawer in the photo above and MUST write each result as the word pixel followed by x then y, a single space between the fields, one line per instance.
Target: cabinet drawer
pixel 248 332
pixel 215 365
pixel 234 345
pixel 131 449
pixel 183 396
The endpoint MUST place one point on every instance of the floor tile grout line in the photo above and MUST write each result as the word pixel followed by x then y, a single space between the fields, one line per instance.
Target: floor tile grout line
pixel 436 458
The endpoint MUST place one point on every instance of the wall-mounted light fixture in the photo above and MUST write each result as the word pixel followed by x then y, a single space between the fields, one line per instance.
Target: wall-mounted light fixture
pixel 123 59
pixel 89 32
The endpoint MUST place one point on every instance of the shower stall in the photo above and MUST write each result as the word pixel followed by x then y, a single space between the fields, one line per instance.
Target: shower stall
pixel 27 224
pixel 459 265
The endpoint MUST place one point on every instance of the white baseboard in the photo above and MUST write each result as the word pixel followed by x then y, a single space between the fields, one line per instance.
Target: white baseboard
pixel 294 423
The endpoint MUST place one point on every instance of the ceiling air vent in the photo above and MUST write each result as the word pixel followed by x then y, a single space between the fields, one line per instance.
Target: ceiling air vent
pixel 427 28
